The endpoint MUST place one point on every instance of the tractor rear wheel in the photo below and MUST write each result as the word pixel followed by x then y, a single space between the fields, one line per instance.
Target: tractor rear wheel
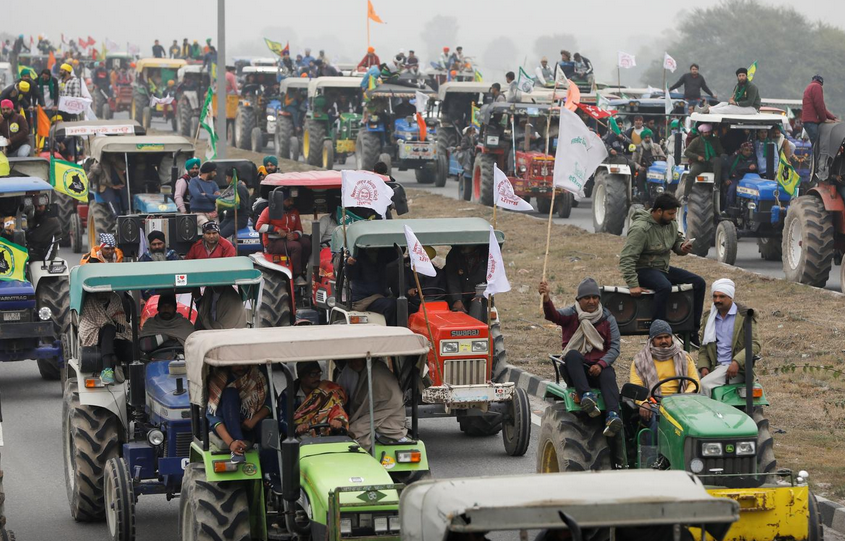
pixel 367 149
pixel 54 294
pixel 244 122
pixel 312 141
pixel 726 242
pixel 65 211
pixel 185 115
pixel 327 157
pixel 275 301
pixel 426 175
pixel 75 233
pixel 446 139
pixel 564 204
pixel 104 219
pixel 284 133
pixel 482 179
pixel 212 511
pixel 571 442
pixel 610 203
pixel 516 429
pixel 256 140
pixel 808 239
pixel 700 218
pixel 120 501
pixel 479 426
pixel 91 438
pixel 769 248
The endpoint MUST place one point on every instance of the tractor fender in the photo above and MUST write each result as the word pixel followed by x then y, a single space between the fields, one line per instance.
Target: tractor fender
pixel 193 99
pixel 833 203
pixel 341 316
pixel 38 273
pixel 261 261
pixel 112 398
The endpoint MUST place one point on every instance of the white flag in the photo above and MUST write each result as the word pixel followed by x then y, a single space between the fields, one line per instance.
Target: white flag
pixel 626 60
pixel 167 100
pixel 73 105
pixel 525 82
pixel 497 281
pixel 132 49
pixel 421 101
pixel 207 123
pixel 365 189
pixel 111 46
pixel 669 63
pixel 579 153
pixel 420 262
pixel 503 195
pixel 667 98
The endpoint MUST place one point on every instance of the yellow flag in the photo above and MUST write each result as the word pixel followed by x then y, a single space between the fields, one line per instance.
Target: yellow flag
pixel 371 13
pixel 69 179
pixel 752 69
pixel 13 260
pixel 788 177
pixel 476 123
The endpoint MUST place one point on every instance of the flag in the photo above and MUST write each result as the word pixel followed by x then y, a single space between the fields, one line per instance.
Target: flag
pixel 207 123
pixel 602 102
pixel 478 77
pixel 133 50
pixel 371 13
pixel 226 201
pixel 752 70
pixel 497 280
pixel 13 260
pixel 69 178
pixel 788 177
pixel 274 46
pixel 286 48
pixel 43 123
pixel 421 101
pixel 614 127
pixel 91 41
pixel 476 122
pixel 371 83
pixel 420 262
pixel 503 195
pixel 669 63
pixel 626 60
pixel 573 96
pixel 579 153
pixel 667 99
pixel 525 83
pixel 595 112
pixel 111 45
pixel 167 100
pixel 365 189
pixel 51 61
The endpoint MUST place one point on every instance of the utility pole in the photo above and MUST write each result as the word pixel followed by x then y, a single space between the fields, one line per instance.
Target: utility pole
pixel 221 80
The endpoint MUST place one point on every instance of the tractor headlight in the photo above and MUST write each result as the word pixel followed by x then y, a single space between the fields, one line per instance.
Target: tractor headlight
pixel 696 465
pixel 45 314
pixel 271 118
pixel 380 524
pixel 746 448
pixel 711 449
pixel 331 302
pixel 155 437
pixel 522 169
pixel 448 347
pixel 480 346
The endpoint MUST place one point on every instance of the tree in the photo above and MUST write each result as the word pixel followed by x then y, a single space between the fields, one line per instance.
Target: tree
pixel 551 46
pixel 501 54
pixel 440 31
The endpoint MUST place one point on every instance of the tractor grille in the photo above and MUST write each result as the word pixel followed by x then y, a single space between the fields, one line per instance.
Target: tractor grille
pixel 542 168
pixel 465 371
pixel 729 465
pixel 183 443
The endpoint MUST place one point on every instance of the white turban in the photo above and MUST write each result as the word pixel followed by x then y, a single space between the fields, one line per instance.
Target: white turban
pixel 727 287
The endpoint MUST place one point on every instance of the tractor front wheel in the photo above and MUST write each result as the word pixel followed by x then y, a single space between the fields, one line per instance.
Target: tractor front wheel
pixel 808 241
pixel 482 179
pixel 328 155
pixel 726 242
pixel 610 203
pixel 426 175
pixel 54 294
pixel 571 442
pixel 256 140
pixel 244 122
pixel 284 133
pixel 516 430
pixel 564 205
pixel 367 149
pixel 312 141
pixel 766 461
pixel 75 233
pixel 212 511
pixel 120 501
pixel 769 248
pixel 185 115
pixel 445 140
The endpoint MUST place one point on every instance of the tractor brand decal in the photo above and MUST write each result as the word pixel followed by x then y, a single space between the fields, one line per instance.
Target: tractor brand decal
pixel 249 469
pixel 729 449
pixel 467 332
pixel 181 280
pixel 162 207
pixel 388 462
pixel 372 496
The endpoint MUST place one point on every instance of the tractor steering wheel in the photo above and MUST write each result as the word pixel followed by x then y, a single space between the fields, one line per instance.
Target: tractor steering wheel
pixel 156 352
pixel 338 431
pixel 674 378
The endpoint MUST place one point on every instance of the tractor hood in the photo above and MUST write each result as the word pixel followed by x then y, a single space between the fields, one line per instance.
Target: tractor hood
pixel 701 417
pixel 16 295
pixel 153 203
pixel 761 189
pixel 161 391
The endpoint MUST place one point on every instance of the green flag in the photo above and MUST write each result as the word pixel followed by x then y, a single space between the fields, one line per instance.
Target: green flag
pixel 13 260
pixel 788 177
pixel 611 121
pixel 207 123
pixel 227 200
pixel 69 178
pixel 752 69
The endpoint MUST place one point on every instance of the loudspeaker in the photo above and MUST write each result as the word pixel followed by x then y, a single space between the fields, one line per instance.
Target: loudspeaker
pixel 634 314
pixel 183 232
pixel 129 234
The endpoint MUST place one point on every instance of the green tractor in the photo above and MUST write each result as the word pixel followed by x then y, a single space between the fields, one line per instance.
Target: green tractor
pixel 724 440
pixel 323 487
pixel 332 122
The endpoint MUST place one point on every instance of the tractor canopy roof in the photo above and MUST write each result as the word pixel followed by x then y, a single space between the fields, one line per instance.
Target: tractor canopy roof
pixel 782 102
pixel 294 82
pixel 264 61
pixel 29 167
pixel 118 55
pixel 332 82
pixel 155 63
pixel 392 90
pixel 429 231
pixel 743 122
pixel 190 68
pixel 430 510
pixel 115 126
pixel 94 278
pixel 21 186
pixel 491 110
pixel 291 345
pixel 462 87
pixel 260 69
pixel 138 144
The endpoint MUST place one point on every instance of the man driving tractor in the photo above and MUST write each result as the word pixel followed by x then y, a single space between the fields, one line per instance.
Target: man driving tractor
pixel 168 325
pixel 466 267
pixel 284 235
pixel 388 402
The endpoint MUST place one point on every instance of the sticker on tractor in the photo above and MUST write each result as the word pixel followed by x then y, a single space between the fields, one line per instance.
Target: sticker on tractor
pixel 149 146
pixel 372 496
pixel 388 462
pixel 181 280
pixel 468 332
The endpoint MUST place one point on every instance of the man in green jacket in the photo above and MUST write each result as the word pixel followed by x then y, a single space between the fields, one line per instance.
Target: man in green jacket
pixel 644 261
pixel 705 155
pixel 721 358
pixel 745 99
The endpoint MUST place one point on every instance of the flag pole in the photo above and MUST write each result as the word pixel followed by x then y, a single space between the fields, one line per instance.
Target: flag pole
pixel 237 204
pixel 554 190
pixel 427 323
pixel 618 77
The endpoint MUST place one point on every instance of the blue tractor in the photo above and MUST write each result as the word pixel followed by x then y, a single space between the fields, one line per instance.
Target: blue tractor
pixel 456 101
pixel 132 437
pixel 33 280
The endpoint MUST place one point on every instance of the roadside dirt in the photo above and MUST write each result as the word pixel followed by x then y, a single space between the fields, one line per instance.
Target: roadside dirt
pixel 798 325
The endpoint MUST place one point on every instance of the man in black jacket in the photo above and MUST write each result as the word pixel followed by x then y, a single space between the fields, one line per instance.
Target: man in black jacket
pixel 466 267
pixel 693 84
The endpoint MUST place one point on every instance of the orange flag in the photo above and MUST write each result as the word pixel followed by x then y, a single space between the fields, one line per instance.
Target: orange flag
pixel 371 13
pixel 51 61
pixel 423 127
pixel 43 129
pixel 573 96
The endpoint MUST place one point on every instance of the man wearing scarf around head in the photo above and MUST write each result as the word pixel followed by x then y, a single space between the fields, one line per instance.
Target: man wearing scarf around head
pixel 745 98
pixel 721 358
pixel 644 156
pixel 663 357
pixel 704 154
pixel 590 346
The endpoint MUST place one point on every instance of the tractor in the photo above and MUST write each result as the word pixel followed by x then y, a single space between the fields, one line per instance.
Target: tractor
pixel 468 356
pixel 332 121
pixel 390 130
pixel 259 88
pixel 132 438
pixel 724 440
pixel 814 229
pixel 34 285
pixel 152 79
pixel 121 90
pixel 455 114
pixel 192 83
pixel 289 117
pixel 532 176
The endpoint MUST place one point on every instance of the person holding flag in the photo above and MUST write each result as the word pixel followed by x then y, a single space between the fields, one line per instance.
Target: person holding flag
pixel 235 196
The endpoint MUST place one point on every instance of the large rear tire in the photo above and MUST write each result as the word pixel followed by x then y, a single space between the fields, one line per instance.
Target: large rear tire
pixel 104 219
pixel 446 139
pixel 726 242
pixel 808 240
pixel 54 293
pixel 244 122
pixel 185 115
pixel 66 208
pixel 212 511
pixel 482 179
pixel 610 203
pixel 312 141
pixel 367 149
pixel 120 501
pixel 284 132
pixel 700 218
pixel 516 430
pixel 91 438
pixel 769 248
pixel 75 233
pixel 275 300
pixel 570 442
pixel 426 175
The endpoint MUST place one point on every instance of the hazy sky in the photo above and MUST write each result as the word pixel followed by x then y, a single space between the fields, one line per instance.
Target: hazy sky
pixel 339 26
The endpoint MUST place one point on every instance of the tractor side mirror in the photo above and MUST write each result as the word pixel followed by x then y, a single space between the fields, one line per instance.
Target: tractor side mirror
pixel 270 434
pixel 634 392
pixel 277 204
pixel 290 469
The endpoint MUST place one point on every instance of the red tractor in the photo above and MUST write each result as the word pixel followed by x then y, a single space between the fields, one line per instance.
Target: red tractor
pixel 516 133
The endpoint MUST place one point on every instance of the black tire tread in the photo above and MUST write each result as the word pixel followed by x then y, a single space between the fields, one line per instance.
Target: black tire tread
pixel 616 204
pixel 275 301
pixel 244 122
pixel 185 113
pixel 104 219
pixel 766 461
pixel 700 218
pixel 517 443
pixel 316 134
pixel 284 132
pixel 578 440
pixel 123 498
pixel 446 138
pixel 817 241
pixel 66 208
pixel 218 511
pixel 54 293
pixel 367 149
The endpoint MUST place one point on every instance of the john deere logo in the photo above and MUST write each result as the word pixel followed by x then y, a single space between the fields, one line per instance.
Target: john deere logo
pixel 729 448
pixel 72 182
pixel 7 262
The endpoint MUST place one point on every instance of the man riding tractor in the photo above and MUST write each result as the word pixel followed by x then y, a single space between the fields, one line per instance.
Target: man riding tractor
pixel 152 78
pixel 458 101
pixel 259 88
pixel 332 120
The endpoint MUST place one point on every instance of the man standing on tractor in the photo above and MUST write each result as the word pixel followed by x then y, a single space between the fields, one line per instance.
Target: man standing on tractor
pixel 174 49
pixel 211 245
pixel 745 99
pixel 466 267
pixel 545 77
pixel 644 261
pixel 721 358
pixel 15 129
pixel 496 93
pixel 644 156
pixel 704 154
pixel 158 250
pixel 288 237
pixel 103 323
pixel 514 94
pixel 69 86
pixel 158 50
pixel 663 357
pixel 813 109
pixel 106 252
pixel 583 67
pixel 591 343
pixel 204 193
pixel 181 195
pixel 693 83
pixel 370 59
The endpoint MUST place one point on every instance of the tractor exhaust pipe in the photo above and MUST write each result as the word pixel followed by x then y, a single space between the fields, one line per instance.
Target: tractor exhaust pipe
pixel 749 365
pixel 402 300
